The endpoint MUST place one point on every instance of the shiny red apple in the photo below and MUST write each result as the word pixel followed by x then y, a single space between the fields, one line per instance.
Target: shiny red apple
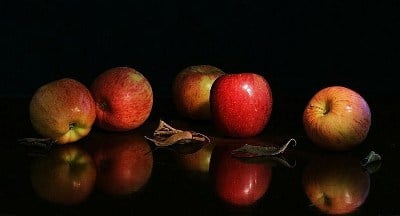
pixel 191 90
pixel 124 99
pixel 337 118
pixel 241 104
pixel 124 161
pixel 63 110
pixel 336 184
pixel 237 183
pixel 66 175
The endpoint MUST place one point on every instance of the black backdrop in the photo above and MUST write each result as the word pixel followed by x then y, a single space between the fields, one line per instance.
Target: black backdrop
pixel 298 46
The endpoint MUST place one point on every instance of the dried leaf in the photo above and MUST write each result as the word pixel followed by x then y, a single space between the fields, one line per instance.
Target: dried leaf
pixel 260 151
pixel 166 135
pixel 371 162
pixel 37 146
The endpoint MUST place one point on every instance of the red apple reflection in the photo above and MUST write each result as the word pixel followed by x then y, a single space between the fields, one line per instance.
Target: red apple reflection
pixel 236 182
pixel 66 175
pixel 336 184
pixel 124 161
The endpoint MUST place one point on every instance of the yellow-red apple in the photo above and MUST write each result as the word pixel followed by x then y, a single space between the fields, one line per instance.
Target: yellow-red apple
pixel 337 118
pixel 191 90
pixel 63 110
pixel 124 99
pixel 198 161
pixel 66 175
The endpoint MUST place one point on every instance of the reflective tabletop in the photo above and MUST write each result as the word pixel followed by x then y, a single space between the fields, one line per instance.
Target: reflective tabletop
pixel 124 173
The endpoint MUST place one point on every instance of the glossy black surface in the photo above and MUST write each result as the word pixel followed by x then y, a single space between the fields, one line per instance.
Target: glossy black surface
pixel 173 189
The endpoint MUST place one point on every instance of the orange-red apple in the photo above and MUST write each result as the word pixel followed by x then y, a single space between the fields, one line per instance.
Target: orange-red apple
pixel 66 175
pixel 123 159
pixel 191 90
pixel 337 118
pixel 124 99
pixel 336 184
pixel 63 110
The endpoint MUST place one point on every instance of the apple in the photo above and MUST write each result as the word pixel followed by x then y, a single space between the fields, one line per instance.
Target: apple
pixel 198 161
pixel 336 184
pixel 67 175
pixel 241 104
pixel 191 90
pixel 337 118
pixel 63 110
pixel 124 161
pixel 235 182
pixel 124 99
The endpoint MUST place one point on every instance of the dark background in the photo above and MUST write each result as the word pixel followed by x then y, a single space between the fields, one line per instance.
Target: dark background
pixel 298 46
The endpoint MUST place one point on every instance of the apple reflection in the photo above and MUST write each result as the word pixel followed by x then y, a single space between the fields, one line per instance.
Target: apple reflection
pixel 236 182
pixel 336 184
pixel 199 160
pixel 66 175
pixel 124 161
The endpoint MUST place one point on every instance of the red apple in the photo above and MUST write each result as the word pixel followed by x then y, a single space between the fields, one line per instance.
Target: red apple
pixel 124 161
pixel 336 184
pixel 191 91
pixel 337 118
pixel 237 183
pixel 63 110
pixel 241 104
pixel 66 175
pixel 124 99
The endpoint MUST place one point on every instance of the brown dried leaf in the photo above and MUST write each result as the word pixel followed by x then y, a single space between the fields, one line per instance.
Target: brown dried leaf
pixel 166 135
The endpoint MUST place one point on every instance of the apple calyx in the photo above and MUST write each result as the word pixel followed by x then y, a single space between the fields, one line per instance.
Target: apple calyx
pixel 326 200
pixel 324 110
pixel 72 125
pixel 166 135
